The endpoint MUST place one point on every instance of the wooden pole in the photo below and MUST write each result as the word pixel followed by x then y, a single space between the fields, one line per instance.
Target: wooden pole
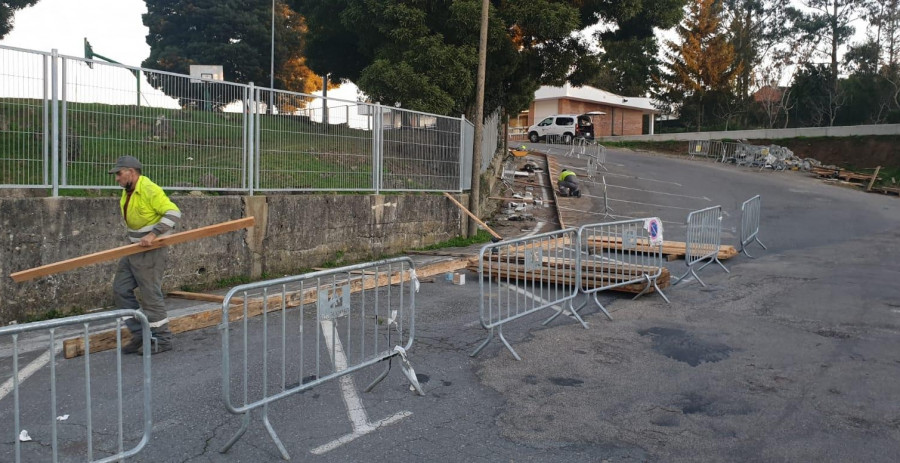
pixel 472 216
pixel 874 177
pixel 135 248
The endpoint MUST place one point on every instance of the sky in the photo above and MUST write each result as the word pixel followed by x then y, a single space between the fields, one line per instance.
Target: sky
pixel 113 27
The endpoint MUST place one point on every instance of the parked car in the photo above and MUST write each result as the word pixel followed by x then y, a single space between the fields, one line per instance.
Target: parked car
pixel 563 127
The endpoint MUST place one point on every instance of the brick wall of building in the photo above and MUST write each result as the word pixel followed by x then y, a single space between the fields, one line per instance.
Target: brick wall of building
pixel 616 121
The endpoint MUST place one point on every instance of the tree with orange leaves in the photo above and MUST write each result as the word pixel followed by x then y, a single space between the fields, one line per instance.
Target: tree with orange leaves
pixel 700 68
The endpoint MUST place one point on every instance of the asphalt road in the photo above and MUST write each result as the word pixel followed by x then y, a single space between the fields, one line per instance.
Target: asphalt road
pixel 792 356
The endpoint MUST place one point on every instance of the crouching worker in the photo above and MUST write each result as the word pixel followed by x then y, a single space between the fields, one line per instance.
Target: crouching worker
pixel 568 185
pixel 148 214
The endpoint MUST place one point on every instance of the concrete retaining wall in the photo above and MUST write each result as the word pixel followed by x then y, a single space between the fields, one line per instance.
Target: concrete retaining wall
pixel 769 134
pixel 292 233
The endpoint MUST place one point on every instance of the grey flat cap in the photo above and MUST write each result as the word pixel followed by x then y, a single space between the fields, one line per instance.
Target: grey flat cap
pixel 126 162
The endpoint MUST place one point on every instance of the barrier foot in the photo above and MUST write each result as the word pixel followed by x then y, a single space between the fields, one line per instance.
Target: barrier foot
pixel 597 300
pixel 571 309
pixel 245 423
pixel 506 343
pixel 483 344
pixel 744 248
pixel 272 434
pixel 692 272
pixel 646 288
pixel 380 377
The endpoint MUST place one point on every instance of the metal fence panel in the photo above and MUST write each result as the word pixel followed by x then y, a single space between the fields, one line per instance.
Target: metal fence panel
pixel 698 148
pixel 90 417
pixel 24 118
pixel 202 134
pixel 421 152
pixel 750 211
pixel 314 328
pixel 623 253
pixel 523 276
pixel 308 143
pixel 704 231
pixel 189 134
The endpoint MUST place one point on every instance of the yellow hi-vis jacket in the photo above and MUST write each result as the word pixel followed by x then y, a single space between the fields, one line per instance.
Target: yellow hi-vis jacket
pixel 149 210
pixel 566 173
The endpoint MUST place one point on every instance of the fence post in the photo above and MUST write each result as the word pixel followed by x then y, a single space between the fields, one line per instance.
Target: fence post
pixel 54 135
pixel 252 162
pixel 45 149
pixel 64 125
pixel 462 152
pixel 377 146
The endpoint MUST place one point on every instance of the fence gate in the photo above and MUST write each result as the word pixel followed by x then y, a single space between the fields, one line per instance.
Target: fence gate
pixel 526 275
pixel 94 405
pixel 750 211
pixel 704 231
pixel 312 329
pixel 622 254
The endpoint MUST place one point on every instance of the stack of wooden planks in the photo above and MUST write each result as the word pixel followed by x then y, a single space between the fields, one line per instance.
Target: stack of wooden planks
pixel 841 174
pixel 594 273
pixel 105 340
pixel 671 249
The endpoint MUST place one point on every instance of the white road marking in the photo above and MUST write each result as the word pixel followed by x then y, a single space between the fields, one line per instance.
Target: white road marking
pixel 654 192
pixel 359 420
pixel 30 369
pixel 642 178
pixel 649 204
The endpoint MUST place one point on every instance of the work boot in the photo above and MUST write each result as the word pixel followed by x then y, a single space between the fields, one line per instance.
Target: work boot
pixel 134 345
pixel 158 345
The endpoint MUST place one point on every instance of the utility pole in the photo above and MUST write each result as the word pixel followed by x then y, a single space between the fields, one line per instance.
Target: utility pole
pixel 474 199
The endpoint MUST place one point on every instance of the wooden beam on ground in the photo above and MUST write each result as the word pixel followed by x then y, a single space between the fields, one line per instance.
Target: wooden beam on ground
pixel 677 248
pixel 470 214
pixel 202 297
pixel 110 254
pixel 106 340
pixel 874 177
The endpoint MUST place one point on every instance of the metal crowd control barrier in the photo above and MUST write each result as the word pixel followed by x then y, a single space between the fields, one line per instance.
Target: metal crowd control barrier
pixel 704 231
pixel 324 325
pixel 526 275
pixel 750 224
pixel 623 253
pixel 26 420
pixel 698 148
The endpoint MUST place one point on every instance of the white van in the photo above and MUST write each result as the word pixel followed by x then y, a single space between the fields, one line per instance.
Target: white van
pixel 563 128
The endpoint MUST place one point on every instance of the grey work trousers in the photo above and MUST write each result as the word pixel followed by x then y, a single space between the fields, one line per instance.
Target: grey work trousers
pixel 145 271
pixel 570 186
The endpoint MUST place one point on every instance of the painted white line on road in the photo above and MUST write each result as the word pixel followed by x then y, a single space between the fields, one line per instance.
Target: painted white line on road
pixel 648 204
pixel 30 369
pixel 359 420
pixel 642 178
pixel 653 192
pixel 677 224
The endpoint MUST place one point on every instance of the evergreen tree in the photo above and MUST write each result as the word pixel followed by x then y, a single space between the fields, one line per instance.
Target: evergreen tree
pixel 232 33
pixel 423 54
pixel 701 67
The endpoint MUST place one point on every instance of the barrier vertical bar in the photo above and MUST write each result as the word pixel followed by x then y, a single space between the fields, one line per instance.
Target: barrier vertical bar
pixel 750 215
pixel 54 132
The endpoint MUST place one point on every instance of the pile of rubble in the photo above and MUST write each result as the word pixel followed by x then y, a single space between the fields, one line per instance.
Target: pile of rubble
pixel 774 156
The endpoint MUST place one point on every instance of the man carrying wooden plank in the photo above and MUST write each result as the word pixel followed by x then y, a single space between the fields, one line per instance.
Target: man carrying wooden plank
pixel 148 214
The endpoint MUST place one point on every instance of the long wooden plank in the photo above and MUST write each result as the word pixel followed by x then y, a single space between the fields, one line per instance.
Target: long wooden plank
pixel 202 297
pixel 106 340
pixel 472 216
pixel 669 247
pixel 110 254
